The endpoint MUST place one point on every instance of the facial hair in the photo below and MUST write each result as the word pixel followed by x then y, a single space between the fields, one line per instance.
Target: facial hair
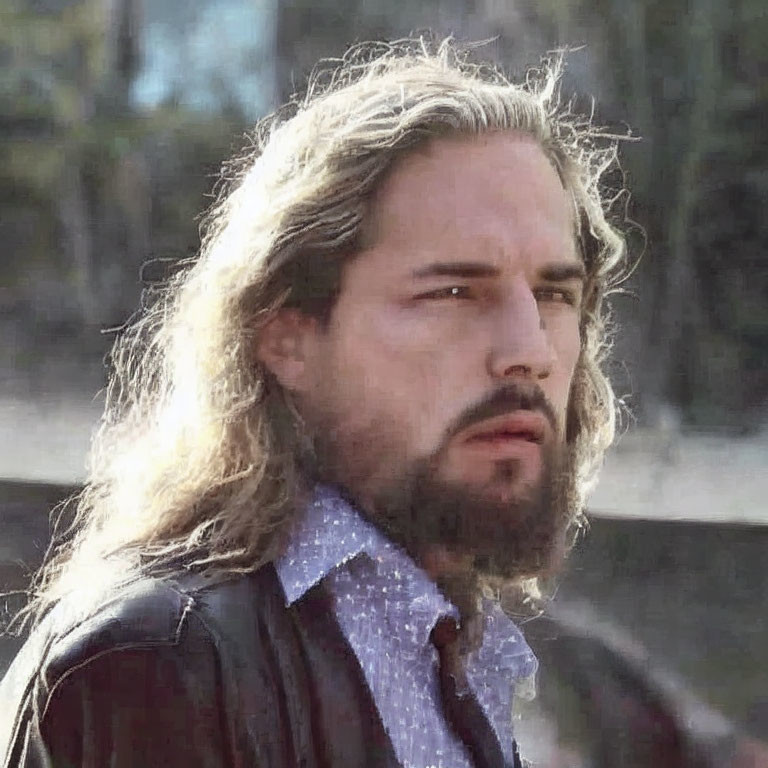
pixel 417 509
pixel 510 539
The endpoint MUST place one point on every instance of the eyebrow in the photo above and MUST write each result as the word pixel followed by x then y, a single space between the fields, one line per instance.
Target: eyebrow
pixel 457 269
pixel 552 273
pixel 561 273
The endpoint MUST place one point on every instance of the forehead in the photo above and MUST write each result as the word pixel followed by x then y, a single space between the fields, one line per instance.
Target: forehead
pixel 496 194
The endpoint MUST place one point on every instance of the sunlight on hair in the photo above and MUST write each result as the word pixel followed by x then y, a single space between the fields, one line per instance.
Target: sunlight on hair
pixel 195 458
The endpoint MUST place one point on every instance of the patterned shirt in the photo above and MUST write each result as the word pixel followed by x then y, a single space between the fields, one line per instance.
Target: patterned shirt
pixel 386 607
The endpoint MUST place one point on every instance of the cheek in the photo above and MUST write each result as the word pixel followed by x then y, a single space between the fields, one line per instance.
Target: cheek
pixel 566 342
pixel 399 378
pixel 570 350
pixel 564 335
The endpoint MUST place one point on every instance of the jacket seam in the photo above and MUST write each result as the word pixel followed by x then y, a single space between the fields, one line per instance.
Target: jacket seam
pixel 132 645
pixel 93 613
pixel 23 714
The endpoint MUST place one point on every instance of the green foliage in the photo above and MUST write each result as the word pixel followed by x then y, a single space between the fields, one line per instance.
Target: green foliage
pixel 89 186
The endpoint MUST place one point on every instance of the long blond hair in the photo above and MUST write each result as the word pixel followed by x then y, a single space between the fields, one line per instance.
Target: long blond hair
pixel 195 457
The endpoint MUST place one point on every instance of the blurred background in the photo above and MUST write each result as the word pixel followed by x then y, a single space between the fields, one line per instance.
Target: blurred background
pixel 115 116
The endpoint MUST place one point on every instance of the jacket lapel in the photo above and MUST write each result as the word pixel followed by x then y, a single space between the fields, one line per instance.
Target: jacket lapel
pixel 344 715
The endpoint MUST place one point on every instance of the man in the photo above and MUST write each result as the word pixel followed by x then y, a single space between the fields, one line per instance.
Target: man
pixel 338 443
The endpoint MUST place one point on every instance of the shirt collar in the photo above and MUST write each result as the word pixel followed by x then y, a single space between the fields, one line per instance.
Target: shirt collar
pixel 329 534
pixel 332 533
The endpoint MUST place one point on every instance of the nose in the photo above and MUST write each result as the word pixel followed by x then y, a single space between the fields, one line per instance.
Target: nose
pixel 521 347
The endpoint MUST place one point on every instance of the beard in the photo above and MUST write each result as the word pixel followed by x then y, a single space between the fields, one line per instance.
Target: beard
pixel 508 539
pixel 505 540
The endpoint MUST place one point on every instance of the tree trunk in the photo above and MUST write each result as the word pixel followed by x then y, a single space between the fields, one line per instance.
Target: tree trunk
pixel 78 231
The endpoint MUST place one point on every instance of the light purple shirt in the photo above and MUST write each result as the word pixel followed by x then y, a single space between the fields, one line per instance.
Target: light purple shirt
pixel 387 606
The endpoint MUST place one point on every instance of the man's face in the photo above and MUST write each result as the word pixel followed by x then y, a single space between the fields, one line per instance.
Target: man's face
pixel 438 393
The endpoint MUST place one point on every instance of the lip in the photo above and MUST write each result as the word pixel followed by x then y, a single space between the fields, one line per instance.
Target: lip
pixel 517 427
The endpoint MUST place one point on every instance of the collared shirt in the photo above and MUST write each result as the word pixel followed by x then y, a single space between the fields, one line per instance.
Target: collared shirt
pixel 386 607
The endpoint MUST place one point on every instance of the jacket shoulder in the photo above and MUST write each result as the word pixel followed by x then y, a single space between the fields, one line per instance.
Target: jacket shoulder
pixel 142 614
pixel 153 612
pixel 150 612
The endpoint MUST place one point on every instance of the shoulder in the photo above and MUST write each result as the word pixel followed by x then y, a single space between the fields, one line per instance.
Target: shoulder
pixel 164 631
pixel 148 612
pixel 152 612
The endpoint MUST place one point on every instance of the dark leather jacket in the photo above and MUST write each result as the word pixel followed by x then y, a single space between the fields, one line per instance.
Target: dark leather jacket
pixel 191 673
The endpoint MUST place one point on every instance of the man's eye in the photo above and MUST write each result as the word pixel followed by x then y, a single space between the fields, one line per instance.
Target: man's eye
pixel 557 295
pixel 450 292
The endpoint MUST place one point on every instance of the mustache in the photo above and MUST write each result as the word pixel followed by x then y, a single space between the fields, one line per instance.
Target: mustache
pixel 510 398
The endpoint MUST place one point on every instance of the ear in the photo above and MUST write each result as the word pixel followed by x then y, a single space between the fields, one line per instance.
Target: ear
pixel 285 345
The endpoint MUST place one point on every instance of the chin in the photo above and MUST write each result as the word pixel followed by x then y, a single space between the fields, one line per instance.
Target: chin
pixel 507 481
pixel 508 529
pixel 510 496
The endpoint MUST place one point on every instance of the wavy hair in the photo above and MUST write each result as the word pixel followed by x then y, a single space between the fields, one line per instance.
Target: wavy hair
pixel 196 458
